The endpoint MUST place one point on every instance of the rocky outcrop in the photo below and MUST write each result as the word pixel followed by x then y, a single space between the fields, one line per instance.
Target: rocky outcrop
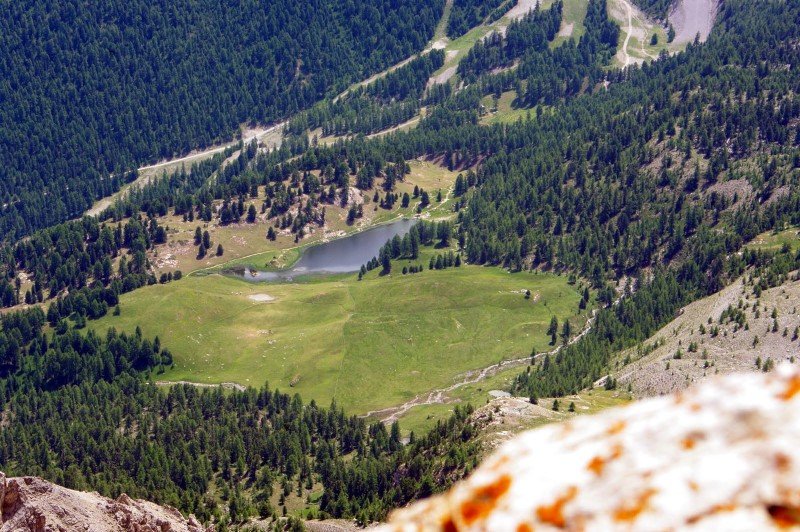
pixel 722 456
pixel 33 504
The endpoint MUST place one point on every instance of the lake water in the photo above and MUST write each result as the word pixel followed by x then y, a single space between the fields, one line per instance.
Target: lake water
pixel 342 255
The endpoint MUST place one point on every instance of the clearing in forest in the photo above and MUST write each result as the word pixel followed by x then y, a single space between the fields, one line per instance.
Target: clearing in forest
pixel 369 344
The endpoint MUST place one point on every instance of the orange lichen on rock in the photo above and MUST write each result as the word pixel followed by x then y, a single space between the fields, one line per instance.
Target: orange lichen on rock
pixel 449 525
pixel 717 509
pixel 616 427
pixel 791 389
pixel 630 512
pixel 596 465
pixel 784 516
pixel 553 514
pixel 484 500
pixel 726 456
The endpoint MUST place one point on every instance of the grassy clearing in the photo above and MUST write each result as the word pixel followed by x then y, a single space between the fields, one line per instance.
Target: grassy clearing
pixel 573 15
pixel 774 241
pixel 637 31
pixel 370 344
pixel 478 394
pixel 505 112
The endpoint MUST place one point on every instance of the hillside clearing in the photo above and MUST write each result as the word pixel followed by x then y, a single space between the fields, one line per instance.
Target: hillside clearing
pixel 369 344
pixel 636 31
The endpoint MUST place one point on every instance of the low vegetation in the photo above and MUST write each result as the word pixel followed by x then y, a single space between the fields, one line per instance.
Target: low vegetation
pixel 332 338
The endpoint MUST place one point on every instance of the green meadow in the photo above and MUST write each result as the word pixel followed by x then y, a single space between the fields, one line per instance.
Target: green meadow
pixel 369 344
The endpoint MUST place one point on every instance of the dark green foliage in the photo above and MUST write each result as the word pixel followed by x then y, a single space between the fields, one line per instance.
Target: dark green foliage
pixel 549 75
pixel 656 8
pixel 73 262
pixel 421 234
pixel 467 14
pixel 80 414
pixel 94 89
pixel 529 35
pixel 388 101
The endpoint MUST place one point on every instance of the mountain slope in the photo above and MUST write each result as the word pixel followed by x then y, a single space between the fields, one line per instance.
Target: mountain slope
pixel 93 89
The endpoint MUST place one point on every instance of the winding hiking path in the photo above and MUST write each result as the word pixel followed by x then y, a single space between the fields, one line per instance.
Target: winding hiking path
pixel 439 396
pixel 628 34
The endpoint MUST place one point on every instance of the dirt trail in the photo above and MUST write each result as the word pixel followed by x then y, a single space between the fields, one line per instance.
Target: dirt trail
pixel 628 34
pixel 391 414
pixel 437 42
pixel 522 8
pixel 249 136
pixel 147 173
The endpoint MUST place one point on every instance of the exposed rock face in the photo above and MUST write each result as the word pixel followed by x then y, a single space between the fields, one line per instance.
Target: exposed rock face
pixel 693 18
pixel 722 456
pixel 30 503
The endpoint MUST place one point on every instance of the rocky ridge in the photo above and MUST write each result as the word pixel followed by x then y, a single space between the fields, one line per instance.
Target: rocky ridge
pixel 33 504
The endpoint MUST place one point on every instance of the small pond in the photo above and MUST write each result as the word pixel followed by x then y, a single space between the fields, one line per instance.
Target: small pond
pixel 342 255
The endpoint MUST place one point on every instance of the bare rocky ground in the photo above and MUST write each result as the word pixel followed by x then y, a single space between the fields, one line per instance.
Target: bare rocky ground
pixel 505 417
pixel 685 354
pixel 691 18
pixel 33 504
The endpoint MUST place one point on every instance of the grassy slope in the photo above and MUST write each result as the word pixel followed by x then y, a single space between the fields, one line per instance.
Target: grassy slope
pixel 774 241
pixel 370 344
pixel 505 112
pixel 572 19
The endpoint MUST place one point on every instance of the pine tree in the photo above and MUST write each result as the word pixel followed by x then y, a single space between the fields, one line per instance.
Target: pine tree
pixel 552 330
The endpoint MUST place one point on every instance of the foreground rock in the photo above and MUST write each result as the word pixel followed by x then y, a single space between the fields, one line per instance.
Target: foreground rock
pixel 722 456
pixel 30 503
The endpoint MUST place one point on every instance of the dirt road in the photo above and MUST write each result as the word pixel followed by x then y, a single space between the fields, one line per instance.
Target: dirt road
pixel 624 50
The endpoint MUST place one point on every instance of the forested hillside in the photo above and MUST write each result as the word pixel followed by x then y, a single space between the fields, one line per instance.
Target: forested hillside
pixel 79 412
pixel 643 184
pixel 467 14
pixel 625 181
pixel 91 90
pixel 656 8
